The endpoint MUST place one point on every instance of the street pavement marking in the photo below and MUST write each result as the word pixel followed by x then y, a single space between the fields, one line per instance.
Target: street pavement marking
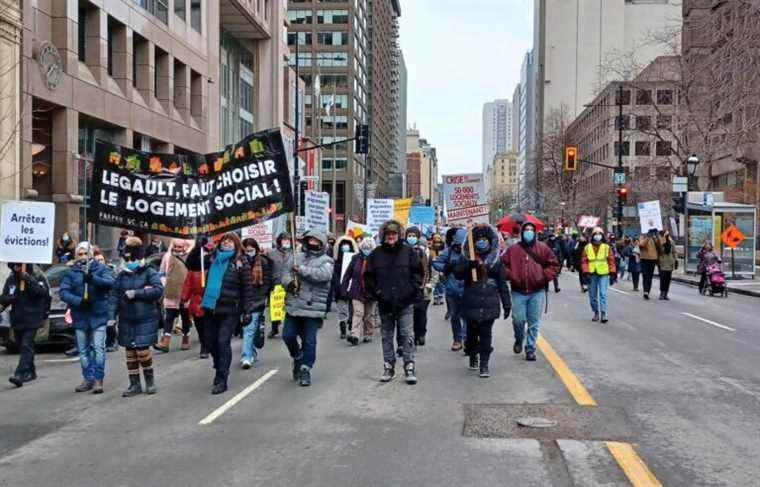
pixel 709 322
pixel 62 360
pixel 624 453
pixel 617 290
pixel 238 397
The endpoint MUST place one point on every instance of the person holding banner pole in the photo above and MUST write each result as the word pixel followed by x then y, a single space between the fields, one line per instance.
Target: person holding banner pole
pixel 280 256
pixel 262 282
pixel 227 296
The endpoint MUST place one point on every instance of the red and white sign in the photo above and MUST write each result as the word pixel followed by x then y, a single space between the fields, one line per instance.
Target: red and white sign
pixel 262 232
pixel 472 213
pixel 465 198
pixel 588 221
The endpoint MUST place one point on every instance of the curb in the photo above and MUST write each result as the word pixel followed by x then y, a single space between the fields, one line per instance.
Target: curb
pixel 734 290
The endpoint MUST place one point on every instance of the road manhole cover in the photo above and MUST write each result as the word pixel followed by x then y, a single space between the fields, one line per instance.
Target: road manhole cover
pixel 546 421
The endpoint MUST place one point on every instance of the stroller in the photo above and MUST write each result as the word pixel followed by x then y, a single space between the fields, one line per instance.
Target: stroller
pixel 716 281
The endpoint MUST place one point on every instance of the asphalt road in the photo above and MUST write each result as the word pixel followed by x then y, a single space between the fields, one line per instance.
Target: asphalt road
pixel 684 391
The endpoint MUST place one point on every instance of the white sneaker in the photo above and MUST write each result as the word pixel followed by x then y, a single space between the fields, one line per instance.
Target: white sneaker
pixel 245 364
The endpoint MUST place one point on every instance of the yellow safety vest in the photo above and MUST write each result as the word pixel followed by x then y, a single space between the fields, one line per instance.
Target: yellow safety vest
pixel 597 264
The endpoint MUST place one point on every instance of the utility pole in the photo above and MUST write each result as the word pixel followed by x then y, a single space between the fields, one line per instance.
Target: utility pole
pixel 296 177
pixel 619 170
pixel 334 198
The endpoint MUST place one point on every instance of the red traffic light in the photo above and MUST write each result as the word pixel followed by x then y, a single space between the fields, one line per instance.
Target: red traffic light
pixel 571 154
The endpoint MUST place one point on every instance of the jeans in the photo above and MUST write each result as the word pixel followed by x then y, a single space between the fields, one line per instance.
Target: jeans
pixel 389 321
pixel 25 344
pixel 92 352
pixel 219 329
pixel 479 338
pixel 296 327
pixel 248 352
pixel 458 325
pixel 597 292
pixel 647 269
pixel 526 308
pixel 665 278
pixel 420 318
pixel 171 315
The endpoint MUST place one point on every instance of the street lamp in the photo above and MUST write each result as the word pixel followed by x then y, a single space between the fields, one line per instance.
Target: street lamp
pixel 691 166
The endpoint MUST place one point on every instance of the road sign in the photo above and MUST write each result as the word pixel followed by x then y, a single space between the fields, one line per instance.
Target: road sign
pixel 732 236
pixel 309 178
pixel 680 184
pixel 619 177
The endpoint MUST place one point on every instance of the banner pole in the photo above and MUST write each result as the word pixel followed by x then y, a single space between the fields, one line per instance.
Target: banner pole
pixel 293 245
pixel 22 284
pixel 203 268
pixel 471 251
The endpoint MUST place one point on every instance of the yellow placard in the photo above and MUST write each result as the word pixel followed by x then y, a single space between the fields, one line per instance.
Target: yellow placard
pixel 401 209
pixel 277 303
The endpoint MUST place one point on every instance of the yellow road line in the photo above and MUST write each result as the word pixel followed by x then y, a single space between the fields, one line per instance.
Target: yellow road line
pixel 571 381
pixel 624 453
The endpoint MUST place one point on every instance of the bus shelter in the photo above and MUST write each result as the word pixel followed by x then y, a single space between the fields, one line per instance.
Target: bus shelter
pixel 706 221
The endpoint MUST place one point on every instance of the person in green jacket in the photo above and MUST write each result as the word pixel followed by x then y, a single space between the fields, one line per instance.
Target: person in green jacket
pixel 667 262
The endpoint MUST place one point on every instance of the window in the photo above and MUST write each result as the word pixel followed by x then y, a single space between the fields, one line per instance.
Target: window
pixel 623 122
pixel 626 148
pixel 626 98
pixel 332 16
pixel 664 97
pixel 332 59
pixel 663 148
pixel 664 121
pixel 195 15
pixel 140 55
pixel 82 27
pixel 340 194
pixel 644 97
pixel 644 122
pixel 332 38
pixel 304 59
pixel 160 73
pixel 300 16
pixel 159 8
pixel 111 28
pixel 340 163
pixel 339 80
pixel 179 9
pixel 304 38
pixel 643 148
pixel 341 122
pixel 341 101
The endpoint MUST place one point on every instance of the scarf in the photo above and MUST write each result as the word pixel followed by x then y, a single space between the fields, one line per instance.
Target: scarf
pixel 257 273
pixel 215 278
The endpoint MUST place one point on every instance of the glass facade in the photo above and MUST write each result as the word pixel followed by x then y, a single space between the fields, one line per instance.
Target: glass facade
pixel 237 91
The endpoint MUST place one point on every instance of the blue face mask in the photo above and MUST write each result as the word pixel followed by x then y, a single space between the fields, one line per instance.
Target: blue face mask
pixel 411 240
pixel 366 252
pixel 528 235
pixel 133 266
pixel 482 245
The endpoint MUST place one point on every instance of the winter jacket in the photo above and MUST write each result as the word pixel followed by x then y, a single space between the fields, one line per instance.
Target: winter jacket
pixel 394 275
pixel 445 263
pixel 422 256
pixel 236 295
pixel 315 271
pixel 352 285
pixel 192 293
pixel 96 312
pixel 668 261
pixel 336 289
pixel 526 274
pixel 138 317
pixel 648 248
pixel 279 260
pixel 175 271
pixel 484 298
pixel 28 307
pixel 261 291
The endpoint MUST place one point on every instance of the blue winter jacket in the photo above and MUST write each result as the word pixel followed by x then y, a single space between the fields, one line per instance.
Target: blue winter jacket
pixel 96 313
pixel 138 317
pixel 445 263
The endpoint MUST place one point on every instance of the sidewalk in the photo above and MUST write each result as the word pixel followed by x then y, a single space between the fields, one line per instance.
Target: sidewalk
pixel 747 287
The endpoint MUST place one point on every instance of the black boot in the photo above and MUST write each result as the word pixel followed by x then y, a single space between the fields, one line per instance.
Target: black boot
pixel 305 377
pixel 484 372
pixel 662 296
pixel 16 380
pixel 150 384
pixel 474 362
pixel 296 368
pixel 134 386
pixel 342 325
pixel 665 297
pixel 275 330
pixel 221 386
pixel 596 316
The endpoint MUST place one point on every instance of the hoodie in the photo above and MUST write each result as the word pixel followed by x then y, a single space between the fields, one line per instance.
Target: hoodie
pixel 315 271
pixel 446 261
pixel 530 266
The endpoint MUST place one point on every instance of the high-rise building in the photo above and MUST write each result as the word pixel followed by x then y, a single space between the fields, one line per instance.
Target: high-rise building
pixel 526 152
pixel 497 131
pixel 402 113
pixel 516 101
pixel 422 167
pixel 340 45
pixel 186 80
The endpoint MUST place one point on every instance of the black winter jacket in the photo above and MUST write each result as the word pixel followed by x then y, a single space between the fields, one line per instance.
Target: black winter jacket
pixel 236 296
pixel 394 277
pixel 261 292
pixel 28 306
pixel 483 299
pixel 138 317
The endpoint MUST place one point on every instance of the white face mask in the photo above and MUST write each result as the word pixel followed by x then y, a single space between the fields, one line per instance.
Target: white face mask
pixel 597 237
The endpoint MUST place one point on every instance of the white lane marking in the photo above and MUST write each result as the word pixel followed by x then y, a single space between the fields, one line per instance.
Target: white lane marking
pixel 617 290
pixel 705 320
pixel 62 360
pixel 239 397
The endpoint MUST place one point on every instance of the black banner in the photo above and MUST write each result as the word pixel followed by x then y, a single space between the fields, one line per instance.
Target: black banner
pixel 184 196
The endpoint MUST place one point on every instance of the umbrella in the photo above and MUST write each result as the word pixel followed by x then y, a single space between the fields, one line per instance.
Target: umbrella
pixel 509 222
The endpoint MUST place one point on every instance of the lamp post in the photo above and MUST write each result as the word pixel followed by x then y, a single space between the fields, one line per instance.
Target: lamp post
pixel 562 205
pixel 691 166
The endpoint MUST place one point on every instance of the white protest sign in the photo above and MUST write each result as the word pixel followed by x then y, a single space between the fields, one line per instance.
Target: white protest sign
pixel 317 211
pixel 650 216
pixel 347 256
pixel 465 198
pixel 379 211
pixel 588 221
pixel 26 232
pixel 262 232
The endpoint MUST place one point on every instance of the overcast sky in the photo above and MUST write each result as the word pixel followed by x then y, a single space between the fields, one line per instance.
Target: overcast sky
pixel 460 54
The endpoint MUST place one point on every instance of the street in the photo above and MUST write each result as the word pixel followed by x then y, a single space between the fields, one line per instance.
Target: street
pixel 684 390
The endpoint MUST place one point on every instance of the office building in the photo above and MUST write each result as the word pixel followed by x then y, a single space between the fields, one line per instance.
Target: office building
pixel 422 168
pixel 527 172
pixel 503 181
pixel 497 131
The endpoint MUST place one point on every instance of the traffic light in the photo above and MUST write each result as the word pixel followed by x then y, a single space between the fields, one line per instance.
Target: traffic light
pixel 679 203
pixel 361 145
pixel 571 158
pixel 622 193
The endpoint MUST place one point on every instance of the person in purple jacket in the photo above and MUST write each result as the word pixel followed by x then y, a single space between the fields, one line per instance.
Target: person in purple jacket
pixel 352 285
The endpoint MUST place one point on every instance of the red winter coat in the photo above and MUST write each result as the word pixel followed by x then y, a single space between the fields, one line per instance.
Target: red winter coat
pixel 192 293
pixel 525 275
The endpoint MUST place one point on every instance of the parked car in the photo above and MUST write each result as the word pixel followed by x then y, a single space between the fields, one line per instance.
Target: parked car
pixel 55 331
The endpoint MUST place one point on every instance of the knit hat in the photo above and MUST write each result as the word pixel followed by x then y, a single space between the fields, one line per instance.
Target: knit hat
pixel 367 244
pixel 133 249
pixel 84 245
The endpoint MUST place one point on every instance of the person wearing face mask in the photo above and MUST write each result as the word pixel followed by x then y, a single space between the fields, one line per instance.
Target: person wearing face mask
pixel 228 295
pixel 29 308
pixel 279 256
pixel 667 263
pixel 135 303
pixel 530 266
pixel 649 258
pixel 174 271
pixel 65 249
pixel 85 287
pixel 599 264
pixel 262 281
pixel 352 285
pixel 345 245
pixel 454 287
pixel 555 244
pixel 307 282
pixel 439 292
pixel 578 250
pixel 419 315
pixel 394 279
pixel 484 297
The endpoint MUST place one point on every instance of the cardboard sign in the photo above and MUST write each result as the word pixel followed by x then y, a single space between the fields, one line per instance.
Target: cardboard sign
pixel 262 232
pixel 732 237
pixel 26 232
pixel 650 216
pixel 401 209
pixel 317 211
pixel 277 303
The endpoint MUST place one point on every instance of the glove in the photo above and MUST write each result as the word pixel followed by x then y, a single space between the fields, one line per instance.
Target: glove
pixel 111 323
pixel 130 294
pixel 202 241
pixel 472 264
pixel 506 312
pixel 247 318
pixel 292 287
